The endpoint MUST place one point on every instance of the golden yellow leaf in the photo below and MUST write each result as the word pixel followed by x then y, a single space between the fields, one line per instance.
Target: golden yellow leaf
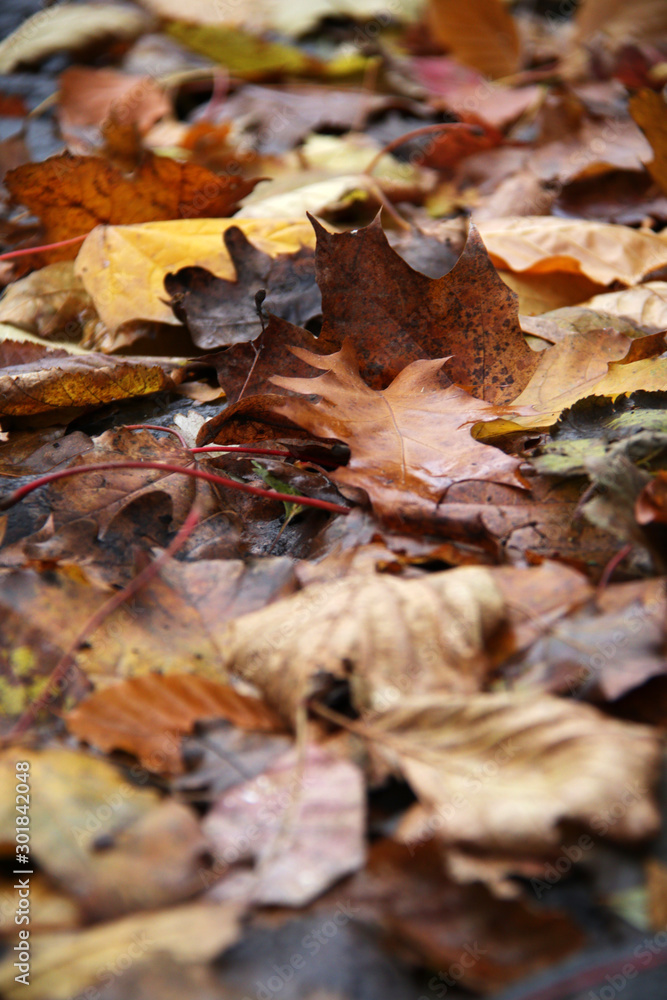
pixel 123 267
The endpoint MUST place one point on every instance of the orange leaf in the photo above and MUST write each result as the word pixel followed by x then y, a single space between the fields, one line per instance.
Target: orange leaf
pixel 408 443
pixel 73 194
pixel 147 715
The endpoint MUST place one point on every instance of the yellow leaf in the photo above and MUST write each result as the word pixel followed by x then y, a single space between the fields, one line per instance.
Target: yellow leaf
pixel 123 267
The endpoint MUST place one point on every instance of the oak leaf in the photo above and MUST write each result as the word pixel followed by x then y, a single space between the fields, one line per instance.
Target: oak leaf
pixel 218 312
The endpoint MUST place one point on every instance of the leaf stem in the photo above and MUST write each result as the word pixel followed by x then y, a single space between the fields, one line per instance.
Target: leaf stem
pixel 12 498
pixel 47 246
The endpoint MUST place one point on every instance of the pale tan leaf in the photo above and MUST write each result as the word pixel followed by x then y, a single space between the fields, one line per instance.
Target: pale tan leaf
pixel 68 27
pixel 602 252
pixel 500 772
pixel 394 636
pixel 294 18
pixel 644 305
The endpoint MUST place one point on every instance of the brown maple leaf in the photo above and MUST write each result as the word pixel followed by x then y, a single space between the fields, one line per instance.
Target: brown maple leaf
pixel 396 315
pixel 408 443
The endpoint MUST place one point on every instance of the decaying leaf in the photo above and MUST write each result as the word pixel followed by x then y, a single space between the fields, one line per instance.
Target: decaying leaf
pixel 603 253
pixel 148 715
pixel 481 33
pixel 139 257
pixel 68 28
pixel 498 773
pixel 404 891
pixel 301 823
pixel 468 313
pixel 59 387
pixel 219 313
pixel 65 965
pixel 388 635
pixel 151 851
pixel 48 301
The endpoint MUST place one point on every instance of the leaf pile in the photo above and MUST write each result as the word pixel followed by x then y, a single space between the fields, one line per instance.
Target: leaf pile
pixel 333 445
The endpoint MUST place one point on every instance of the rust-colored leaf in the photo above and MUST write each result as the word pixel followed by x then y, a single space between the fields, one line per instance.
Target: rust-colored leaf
pixel 469 313
pixel 73 194
pixel 147 716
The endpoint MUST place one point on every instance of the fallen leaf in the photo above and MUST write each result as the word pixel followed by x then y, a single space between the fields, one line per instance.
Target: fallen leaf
pixel 249 367
pixel 59 387
pixel 73 194
pixel 471 762
pixel 603 253
pixel 253 57
pixel 49 302
pixel 151 852
pixel 219 312
pixel 59 29
pixel 147 716
pixel 301 823
pixel 604 649
pixel 433 637
pixel 404 892
pixel 482 34
pixel 468 313
pixel 408 443
pixel 645 305
pixel 63 965
pixel 139 257
pixel 259 15
pixel 88 95
pixel 175 625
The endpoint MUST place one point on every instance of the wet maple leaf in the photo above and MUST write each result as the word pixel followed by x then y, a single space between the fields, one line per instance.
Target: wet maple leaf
pixel 408 443
pixel 73 194
pixel 396 315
